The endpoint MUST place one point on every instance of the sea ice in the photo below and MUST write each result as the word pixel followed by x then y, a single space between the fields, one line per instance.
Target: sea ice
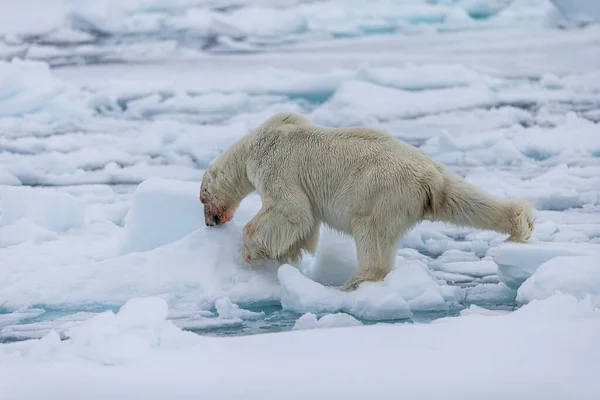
pixel 516 126
pixel 29 87
pixel 335 260
pixel 560 331
pixel 161 212
pixel 19 315
pixel 490 293
pixel 33 330
pixel 360 102
pixel 579 11
pixel 50 209
pixel 478 310
pixel 226 309
pixel 310 321
pixel 24 230
pixel 575 275
pixel 519 261
pixel 6 178
pixel 409 287
pixel 369 302
pixel 199 268
pixel 423 77
pixel 412 280
pixel 473 268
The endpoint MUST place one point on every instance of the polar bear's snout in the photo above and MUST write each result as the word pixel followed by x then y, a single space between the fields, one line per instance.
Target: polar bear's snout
pixel 214 213
pixel 212 216
pixel 213 221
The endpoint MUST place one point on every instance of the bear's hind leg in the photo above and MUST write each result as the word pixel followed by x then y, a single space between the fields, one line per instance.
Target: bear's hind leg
pixel 376 251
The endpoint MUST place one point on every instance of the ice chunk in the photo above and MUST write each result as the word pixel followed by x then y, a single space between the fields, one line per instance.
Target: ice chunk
pixel 422 77
pixel 452 277
pixel 202 323
pixel 490 293
pixel 452 256
pixel 473 268
pixel 6 178
pixel 29 87
pixel 575 275
pixel 408 287
pixel 24 230
pixel 30 330
pixel 143 312
pixel 368 302
pixel 199 268
pixel 53 210
pixel 310 321
pixel 579 11
pixel 360 102
pixel 19 315
pixel 414 283
pixel 161 212
pixel 335 261
pixel 138 327
pixel 518 261
pixel 226 309
pixel 490 279
pixel 453 295
pixel 477 310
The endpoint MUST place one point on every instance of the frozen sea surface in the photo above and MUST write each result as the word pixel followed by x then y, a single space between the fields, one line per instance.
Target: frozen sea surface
pixel 110 111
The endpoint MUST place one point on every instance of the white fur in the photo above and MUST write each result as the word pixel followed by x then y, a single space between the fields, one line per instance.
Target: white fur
pixel 359 181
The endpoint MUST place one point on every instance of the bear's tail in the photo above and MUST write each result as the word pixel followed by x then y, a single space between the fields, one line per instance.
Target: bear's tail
pixel 454 200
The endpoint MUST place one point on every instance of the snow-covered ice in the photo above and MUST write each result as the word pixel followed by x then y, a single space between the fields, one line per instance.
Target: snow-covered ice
pixel 517 262
pixel 576 275
pixel 337 320
pixel 161 212
pixel 55 211
pixel 110 111
pixel 547 348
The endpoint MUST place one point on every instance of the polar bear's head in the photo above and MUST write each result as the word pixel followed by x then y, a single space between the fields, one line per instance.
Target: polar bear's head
pixel 215 198
pixel 224 185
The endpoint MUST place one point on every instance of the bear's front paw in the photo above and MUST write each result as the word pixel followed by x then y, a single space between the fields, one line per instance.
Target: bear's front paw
pixel 252 254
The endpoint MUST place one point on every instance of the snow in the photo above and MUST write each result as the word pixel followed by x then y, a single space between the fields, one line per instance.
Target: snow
pixel 335 260
pixel 356 102
pixel 29 87
pixel 161 212
pixel 409 287
pixel 52 210
pixel 490 293
pixel 473 268
pixel 114 355
pixel 575 275
pixel 69 31
pixel 226 309
pixel 9 179
pixel 516 262
pixel 578 11
pixel 369 302
pixel 110 112
pixel 338 320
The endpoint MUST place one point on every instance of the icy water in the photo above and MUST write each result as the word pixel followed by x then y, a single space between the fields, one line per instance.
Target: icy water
pixel 41 320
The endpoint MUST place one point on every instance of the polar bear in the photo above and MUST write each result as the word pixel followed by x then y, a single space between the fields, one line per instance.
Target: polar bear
pixel 358 181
